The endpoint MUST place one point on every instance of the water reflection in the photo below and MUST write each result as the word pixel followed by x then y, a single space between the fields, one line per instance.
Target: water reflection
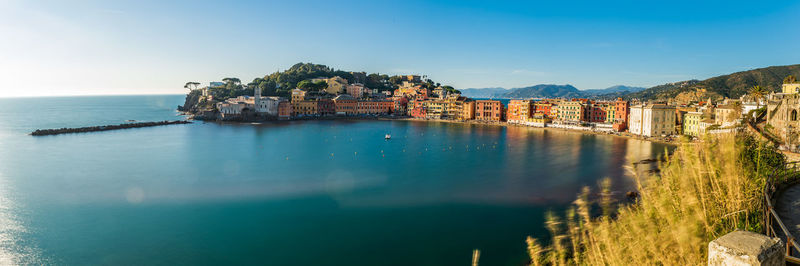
pixel 13 248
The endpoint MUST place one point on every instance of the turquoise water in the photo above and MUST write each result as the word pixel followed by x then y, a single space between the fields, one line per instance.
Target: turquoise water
pixel 283 193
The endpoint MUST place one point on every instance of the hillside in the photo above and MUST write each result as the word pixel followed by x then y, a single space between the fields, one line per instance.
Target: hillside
pixel 731 85
pixel 613 90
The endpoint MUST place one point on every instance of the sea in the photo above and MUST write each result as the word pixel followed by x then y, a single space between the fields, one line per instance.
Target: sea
pixel 329 192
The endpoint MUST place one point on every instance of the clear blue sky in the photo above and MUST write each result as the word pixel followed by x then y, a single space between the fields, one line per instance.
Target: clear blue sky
pixel 133 47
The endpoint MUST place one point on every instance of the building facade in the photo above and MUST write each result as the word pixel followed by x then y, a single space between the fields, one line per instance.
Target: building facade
pixel 518 111
pixel 571 111
pixel 691 123
pixel 489 110
pixel 652 120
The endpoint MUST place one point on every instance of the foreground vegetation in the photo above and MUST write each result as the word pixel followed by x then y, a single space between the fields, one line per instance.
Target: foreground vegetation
pixel 704 191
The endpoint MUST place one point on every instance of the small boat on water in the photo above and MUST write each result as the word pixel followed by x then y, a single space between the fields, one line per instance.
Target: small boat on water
pixel 388 136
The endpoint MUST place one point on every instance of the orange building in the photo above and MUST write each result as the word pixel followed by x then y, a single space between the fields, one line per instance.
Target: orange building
pixel 345 104
pixel 284 109
pixel 467 110
pixel 621 114
pixel 374 107
pixel 518 110
pixel 489 110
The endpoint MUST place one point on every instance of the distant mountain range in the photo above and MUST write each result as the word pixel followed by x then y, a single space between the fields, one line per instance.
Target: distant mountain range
pixel 732 86
pixel 482 92
pixel 547 91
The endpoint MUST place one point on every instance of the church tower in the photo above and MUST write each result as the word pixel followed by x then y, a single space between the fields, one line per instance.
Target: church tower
pixel 257 99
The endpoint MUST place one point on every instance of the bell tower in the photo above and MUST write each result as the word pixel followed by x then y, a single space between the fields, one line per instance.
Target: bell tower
pixel 257 98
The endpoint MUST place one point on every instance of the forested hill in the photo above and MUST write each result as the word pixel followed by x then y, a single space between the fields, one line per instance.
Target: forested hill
pixel 731 85
pixel 281 82
pixel 299 75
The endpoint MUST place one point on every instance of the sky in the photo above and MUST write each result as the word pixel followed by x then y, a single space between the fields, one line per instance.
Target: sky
pixel 53 48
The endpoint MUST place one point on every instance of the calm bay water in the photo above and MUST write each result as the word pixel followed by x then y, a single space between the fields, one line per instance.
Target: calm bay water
pixel 283 193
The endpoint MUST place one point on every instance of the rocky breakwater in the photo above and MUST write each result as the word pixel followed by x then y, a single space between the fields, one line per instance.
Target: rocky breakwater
pixel 46 132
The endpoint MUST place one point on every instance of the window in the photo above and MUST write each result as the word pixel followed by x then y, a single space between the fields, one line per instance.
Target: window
pixel 793 116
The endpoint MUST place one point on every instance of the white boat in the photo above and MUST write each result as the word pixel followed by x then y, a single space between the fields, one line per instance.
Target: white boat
pixel 388 136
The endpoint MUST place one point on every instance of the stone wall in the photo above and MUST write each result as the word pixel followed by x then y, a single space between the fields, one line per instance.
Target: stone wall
pixel 745 248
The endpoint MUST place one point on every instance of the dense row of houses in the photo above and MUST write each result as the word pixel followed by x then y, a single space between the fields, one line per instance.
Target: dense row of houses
pixel 414 99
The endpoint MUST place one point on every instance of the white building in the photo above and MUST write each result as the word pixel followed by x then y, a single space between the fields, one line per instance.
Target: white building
pixel 652 120
pixel 268 105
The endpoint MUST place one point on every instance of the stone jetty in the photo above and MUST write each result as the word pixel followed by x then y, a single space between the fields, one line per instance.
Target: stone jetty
pixel 46 132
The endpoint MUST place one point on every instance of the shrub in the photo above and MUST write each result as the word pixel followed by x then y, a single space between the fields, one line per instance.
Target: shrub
pixel 704 191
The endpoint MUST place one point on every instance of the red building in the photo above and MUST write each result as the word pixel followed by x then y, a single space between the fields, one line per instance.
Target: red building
pixel 489 110
pixel 545 108
pixel 400 106
pixel 595 113
pixel 345 104
pixel 326 107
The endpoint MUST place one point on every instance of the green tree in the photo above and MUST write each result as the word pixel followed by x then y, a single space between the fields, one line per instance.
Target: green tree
pixel 191 85
pixel 396 80
pixel 235 81
pixel 758 93
pixel 790 79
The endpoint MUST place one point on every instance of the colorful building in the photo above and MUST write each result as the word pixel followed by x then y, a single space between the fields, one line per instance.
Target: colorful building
pixel 298 95
pixel 336 85
pixel 571 111
pixel 596 112
pixel 545 108
pixel 345 104
pixel 467 110
pixel 304 108
pixel 539 118
pixel 621 113
pixel 357 90
pixel 284 109
pixel 518 111
pixel 489 110
pixel 326 107
pixel 691 123
pixel 374 107
pixel 400 106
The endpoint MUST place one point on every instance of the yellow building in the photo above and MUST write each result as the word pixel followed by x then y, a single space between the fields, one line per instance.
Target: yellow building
pixel 336 85
pixel 298 95
pixel 570 111
pixel 304 107
pixel 791 87
pixel 467 110
pixel 691 123
pixel 611 111
pixel 541 118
